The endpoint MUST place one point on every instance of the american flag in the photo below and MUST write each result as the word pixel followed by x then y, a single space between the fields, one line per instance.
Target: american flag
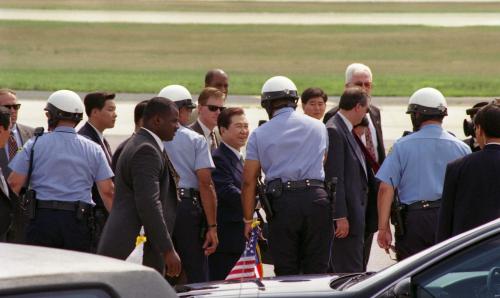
pixel 249 265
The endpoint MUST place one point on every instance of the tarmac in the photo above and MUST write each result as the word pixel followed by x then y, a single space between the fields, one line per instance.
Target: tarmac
pixel 169 17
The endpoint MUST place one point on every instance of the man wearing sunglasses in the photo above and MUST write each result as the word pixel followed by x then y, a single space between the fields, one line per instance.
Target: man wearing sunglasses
pixel 211 104
pixel 360 75
pixel 19 134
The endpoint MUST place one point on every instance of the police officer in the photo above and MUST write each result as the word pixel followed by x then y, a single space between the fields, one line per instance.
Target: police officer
pixel 195 232
pixel 64 167
pixel 290 149
pixel 416 166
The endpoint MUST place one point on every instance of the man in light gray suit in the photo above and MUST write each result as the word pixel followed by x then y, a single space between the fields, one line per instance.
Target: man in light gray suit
pixel 19 134
pixel 146 193
pixel 346 161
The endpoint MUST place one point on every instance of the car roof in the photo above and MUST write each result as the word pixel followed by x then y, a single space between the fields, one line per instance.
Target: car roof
pixel 30 267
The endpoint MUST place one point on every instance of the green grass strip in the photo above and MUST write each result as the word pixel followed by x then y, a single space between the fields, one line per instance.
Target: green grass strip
pixel 144 58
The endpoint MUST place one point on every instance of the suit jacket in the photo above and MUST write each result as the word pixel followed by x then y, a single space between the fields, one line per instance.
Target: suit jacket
pixel 117 153
pixel 25 133
pixel 377 123
pixel 20 218
pixel 345 161
pixel 145 195
pixel 227 177
pixel 9 204
pixel 471 192
pixel 196 127
pixel 89 132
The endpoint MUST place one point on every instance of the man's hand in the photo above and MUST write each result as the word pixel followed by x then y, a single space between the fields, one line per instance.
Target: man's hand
pixel 342 227
pixel 173 263
pixel 384 239
pixel 211 241
pixel 248 230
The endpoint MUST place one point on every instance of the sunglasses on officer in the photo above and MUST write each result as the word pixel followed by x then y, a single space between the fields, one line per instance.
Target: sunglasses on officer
pixel 16 106
pixel 213 108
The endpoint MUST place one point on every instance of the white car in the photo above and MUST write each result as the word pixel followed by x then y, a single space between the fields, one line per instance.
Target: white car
pixel 32 271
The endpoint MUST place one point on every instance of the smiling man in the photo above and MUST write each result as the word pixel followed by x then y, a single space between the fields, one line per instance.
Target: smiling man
pixel 233 126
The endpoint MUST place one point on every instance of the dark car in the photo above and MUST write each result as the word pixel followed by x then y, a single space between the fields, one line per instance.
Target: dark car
pixel 31 271
pixel 467 265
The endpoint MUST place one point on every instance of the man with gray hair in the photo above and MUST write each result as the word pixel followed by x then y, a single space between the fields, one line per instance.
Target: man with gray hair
pixel 360 75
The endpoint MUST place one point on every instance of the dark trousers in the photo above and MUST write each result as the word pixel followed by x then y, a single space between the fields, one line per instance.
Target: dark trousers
pixel 17 232
pixel 221 263
pixel 299 233
pixel 420 232
pixel 188 240
pixel 347 254
pixel 59 229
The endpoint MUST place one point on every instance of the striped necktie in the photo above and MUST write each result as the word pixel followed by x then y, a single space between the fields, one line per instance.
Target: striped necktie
pixel 12 146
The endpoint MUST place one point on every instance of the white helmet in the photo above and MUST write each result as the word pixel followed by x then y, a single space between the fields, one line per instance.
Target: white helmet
pixel 279 87
pixel 427 101
pixel 178 94
pixel 65 105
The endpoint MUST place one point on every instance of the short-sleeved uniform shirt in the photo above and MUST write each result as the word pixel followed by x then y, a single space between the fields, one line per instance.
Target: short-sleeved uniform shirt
pixel 189 152
pixel 290 146
pixel 65 165
pixel 417 163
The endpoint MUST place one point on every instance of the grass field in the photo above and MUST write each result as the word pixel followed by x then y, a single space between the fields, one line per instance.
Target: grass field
pixel 251 6
pixel 144 58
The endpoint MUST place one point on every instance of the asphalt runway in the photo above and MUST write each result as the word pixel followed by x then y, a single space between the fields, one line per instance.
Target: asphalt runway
pixel 167 17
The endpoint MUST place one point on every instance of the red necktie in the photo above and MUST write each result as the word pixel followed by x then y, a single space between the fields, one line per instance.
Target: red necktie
pixel 369 143
pixel 12 146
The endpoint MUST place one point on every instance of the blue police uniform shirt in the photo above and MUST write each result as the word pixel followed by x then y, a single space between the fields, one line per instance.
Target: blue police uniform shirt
pixel 65 165
pixel 417 163
pixel 188 151
pixel 290 146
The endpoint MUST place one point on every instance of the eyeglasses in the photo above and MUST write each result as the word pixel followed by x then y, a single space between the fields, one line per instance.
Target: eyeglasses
pixel 213 108
pixel 363 84
pixel 16 106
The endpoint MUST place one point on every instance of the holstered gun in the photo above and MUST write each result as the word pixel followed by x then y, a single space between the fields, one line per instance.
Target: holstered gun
pixel 264 200
pixel 397 214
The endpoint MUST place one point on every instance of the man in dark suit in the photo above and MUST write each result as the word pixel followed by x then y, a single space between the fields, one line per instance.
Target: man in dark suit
pixel 100 108
pixel 8 198
pixel 18 135
pixel 210 105
pixel 346 162
pixel 228 160
pixel 146 193
pixel 358 74
pixel 138 112
pixel 471 192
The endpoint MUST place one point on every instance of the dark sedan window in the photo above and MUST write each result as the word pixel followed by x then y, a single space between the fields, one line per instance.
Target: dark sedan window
pixel 77 293
pixel 474 272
